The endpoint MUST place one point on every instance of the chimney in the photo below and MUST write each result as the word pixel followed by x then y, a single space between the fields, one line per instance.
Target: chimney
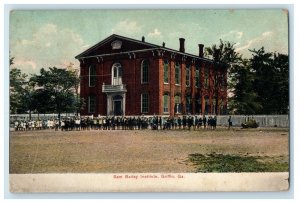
pixel 201 46
pixel 181 47
pixel 163 44
pixel 143 39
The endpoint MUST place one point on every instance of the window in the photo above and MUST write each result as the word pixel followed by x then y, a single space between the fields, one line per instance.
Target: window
pixel 144 71
pixel 177 73
pixel 177 101
pixel 166 71
pixel 92 104
pixel 92 76
pixel 214 106
pixel 116 74
pixel 206 77
pixel 166 103
pixel 187 76
pixel 206 105
pixel 198 105
pixel 223 82
pixel 221 106
pixel 188 104
pixel 116 44
pixel 197 77
pixel 144 103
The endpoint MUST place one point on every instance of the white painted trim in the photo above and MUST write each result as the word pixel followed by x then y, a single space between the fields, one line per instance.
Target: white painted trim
pixel 142 68
pixel 142 103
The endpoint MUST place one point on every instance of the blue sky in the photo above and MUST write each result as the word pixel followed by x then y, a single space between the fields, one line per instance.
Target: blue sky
pixel 53 38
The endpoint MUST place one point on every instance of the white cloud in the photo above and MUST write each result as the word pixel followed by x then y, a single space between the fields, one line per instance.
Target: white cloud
pixel 255 41
pixel 126 26
pixel 266 34
pixel 28 66
pixel 233 34
pixel 49 46
pixel 155 33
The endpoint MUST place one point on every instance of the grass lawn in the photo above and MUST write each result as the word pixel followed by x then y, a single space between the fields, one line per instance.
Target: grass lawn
pixel 221 150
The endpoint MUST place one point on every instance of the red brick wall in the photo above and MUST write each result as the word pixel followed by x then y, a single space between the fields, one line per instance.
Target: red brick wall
pixel 155 88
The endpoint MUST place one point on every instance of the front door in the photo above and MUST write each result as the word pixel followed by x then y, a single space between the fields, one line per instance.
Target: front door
pixel 117 107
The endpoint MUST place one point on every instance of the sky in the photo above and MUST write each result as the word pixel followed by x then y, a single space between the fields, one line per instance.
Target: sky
pixel 46 38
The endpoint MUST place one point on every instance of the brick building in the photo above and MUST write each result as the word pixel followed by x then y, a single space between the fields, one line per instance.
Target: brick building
pixel 123 76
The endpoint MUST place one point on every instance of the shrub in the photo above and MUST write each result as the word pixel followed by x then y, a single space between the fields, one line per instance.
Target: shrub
pixel 250 124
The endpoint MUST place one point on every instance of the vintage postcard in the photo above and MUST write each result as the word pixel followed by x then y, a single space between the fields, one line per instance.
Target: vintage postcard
pixel 147 100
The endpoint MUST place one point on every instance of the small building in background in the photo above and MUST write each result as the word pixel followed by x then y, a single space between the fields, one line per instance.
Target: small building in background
pixel 123 76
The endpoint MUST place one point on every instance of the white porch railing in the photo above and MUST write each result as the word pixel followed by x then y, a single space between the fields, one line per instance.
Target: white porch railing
pixel 113 88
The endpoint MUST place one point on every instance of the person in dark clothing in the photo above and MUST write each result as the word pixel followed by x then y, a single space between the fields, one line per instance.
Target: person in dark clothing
pixel 179 122
pixel 184 122
pixel 214 122
pixel 204 121
pixel 160 123
pixel 229 122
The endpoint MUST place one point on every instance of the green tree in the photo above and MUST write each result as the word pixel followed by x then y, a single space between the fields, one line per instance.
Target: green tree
pixel 245 99
pixel 281 64
pixel 271 81
pixel 224 56
pixel 57 88
pixel 17 84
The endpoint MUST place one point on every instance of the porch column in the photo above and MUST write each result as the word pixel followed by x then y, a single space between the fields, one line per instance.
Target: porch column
pixel 109 107
pixel 124 104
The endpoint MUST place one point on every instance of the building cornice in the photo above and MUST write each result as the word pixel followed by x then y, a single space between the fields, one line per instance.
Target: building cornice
pixel 159 50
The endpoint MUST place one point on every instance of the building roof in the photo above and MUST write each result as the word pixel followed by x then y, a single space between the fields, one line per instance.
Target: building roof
pixel 142 46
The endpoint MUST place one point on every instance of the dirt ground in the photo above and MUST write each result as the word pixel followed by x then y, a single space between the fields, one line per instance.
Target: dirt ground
pixel 49 151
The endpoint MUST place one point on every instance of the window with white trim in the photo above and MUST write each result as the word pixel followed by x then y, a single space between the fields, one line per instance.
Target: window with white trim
pixel 188 104
pixel 92 104
pixel 144 103
pixel 207 106
pixel 116 74
pixel 197 77
pixel 188 76
pixel 144 71
pixel 177 102
pixel 206 77
pixel 92 75
pixel 166 99
pixel 166 71
pixel 177 73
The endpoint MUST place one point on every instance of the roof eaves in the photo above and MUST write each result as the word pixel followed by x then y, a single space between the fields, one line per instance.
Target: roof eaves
pixel 109 38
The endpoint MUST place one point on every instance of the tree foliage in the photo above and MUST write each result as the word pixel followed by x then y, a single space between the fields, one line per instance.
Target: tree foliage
pixel 223 53
pixel 259 85
pixel 271 81
pixel 53 90
pixel 56 90
pixel 18 83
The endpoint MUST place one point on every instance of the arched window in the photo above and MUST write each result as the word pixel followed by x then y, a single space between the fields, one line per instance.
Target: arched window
pixel 145 71
pixel 166 71
pixel 177 102
pixel 198 104
pixel 221 106
pixel 188 105
pixel 177 73
pixel 116 73
pixel 92 75
pixel 166 103
pixel 92 104
pixel 206 105
pixel 214 106
pixel 206 77
pixel 188 76
pixel 197 77
pixel 144 103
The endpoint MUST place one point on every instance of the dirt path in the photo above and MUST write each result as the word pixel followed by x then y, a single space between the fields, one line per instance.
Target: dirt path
pixel 135 151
